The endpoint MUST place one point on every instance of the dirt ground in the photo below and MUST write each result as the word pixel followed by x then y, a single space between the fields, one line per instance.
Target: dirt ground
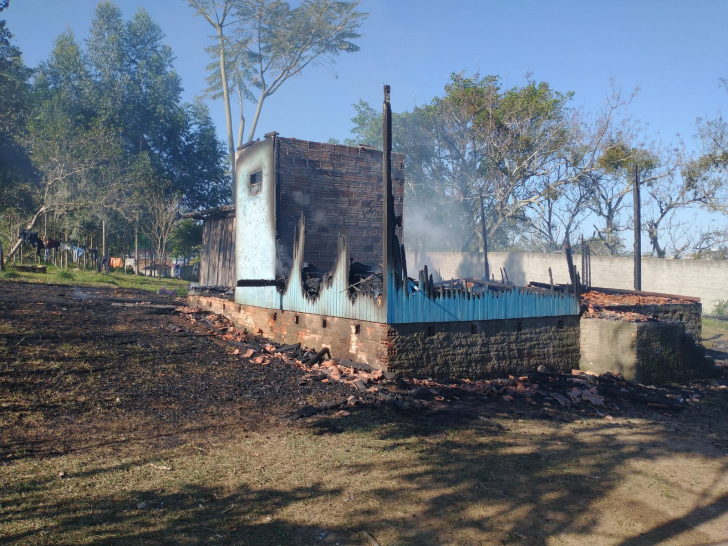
pixel 128 424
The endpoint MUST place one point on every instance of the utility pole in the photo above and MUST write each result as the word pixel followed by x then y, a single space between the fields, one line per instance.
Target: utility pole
pixel 103 238
pixel 485 237
pixel 136 245
pixel 387 201
pixel 637 232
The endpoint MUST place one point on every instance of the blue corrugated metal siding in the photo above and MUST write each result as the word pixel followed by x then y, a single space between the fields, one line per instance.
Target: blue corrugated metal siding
pixel 332 301
pixel 463 306
pixel 402 307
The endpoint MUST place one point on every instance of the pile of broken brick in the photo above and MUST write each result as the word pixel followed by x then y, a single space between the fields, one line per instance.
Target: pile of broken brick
pixel 610 306
pixel 582 392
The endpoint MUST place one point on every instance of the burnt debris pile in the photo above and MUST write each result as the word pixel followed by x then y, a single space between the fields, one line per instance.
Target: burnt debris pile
pixel 313 278
pixel 365 279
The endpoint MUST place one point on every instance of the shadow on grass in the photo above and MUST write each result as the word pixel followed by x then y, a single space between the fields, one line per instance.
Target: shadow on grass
pixel 542 485
pixel 191 514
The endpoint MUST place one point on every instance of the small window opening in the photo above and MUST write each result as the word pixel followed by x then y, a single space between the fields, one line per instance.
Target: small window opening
pixel 519 326
pixel 296 320
pixel 473 328
pixel 323 323
pixel 274 317
pixel 430 330
pixel 357 328
pixel 256 183
pixel 681 317
pixel 561 324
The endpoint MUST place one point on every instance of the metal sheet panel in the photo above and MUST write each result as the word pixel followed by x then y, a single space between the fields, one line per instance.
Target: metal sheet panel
pixel 464 306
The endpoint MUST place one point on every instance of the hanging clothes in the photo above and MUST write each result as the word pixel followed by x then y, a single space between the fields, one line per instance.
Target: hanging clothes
pixel 29 237
pixel 116 262
pixel 104 264
pixel 51 243
pixel 77 252
pixel 65 246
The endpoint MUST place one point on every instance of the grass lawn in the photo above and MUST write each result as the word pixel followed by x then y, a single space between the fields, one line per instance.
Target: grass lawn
pixel 119 425
pixel 89 277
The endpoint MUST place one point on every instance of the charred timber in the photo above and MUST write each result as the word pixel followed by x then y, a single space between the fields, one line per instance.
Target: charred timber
pixel 279 283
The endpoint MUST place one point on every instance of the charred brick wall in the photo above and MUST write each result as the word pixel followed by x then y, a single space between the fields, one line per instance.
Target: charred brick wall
pixel 458 349
pixel 356 340
pixel 339 190
pixel 484 348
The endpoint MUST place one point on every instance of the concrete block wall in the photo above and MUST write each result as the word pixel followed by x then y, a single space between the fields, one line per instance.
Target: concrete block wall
pixel 707 280
pixel 644 352
pixel 484 348
pixel 339 190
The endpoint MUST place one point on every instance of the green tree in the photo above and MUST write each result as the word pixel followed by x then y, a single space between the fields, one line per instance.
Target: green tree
pixel 16 171
pixel 220 14
pixel 521 147
pixel 260 44
pixel 187 238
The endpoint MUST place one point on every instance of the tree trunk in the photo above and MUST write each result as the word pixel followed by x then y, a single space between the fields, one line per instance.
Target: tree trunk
pixel 30 225
pixel 136 248
pixel 485 237
pixel 228 114
pixel 257 117
pixel 241 127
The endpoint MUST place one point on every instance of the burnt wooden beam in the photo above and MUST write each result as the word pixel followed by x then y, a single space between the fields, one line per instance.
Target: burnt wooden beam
pixel 280 283
pixel 388 204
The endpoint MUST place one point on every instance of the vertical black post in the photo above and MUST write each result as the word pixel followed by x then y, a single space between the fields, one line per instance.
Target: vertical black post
pixel 136 246
pixel 485 237
pixel 637 232
pixel 387 201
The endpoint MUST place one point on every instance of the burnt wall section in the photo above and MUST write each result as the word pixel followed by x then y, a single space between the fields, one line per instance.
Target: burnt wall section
pixel 356 340
pixel 217 263
pixel 339 191
pixel 484 348
pixel 458 349
pixel 652 353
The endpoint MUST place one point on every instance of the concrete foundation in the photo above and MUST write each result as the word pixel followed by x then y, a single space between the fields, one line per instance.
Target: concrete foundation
pixel 458 349
pixel 644 352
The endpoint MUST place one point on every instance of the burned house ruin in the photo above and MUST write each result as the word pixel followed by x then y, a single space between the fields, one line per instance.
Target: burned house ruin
pixel 318 260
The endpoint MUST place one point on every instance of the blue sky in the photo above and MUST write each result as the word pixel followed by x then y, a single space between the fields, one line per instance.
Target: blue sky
pixel 674 51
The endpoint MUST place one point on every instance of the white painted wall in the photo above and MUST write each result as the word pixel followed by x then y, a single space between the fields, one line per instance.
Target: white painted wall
pixel 707 280
pixel 255 230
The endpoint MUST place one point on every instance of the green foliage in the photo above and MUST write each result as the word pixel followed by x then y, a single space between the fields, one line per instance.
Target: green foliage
pixel 64 274
pixel 16 170
pixel 187 238
pixel 270 42
pixel 515 145
pixel 10 274
pixel 720 308
pixel 100 129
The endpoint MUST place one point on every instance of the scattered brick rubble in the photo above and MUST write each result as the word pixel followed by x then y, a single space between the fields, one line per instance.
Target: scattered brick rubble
pixel 580 392
pixel 598 305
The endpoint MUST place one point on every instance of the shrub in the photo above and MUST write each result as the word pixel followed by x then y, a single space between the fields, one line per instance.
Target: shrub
pixel 65 274
pixel 11 274
pixel 720 308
